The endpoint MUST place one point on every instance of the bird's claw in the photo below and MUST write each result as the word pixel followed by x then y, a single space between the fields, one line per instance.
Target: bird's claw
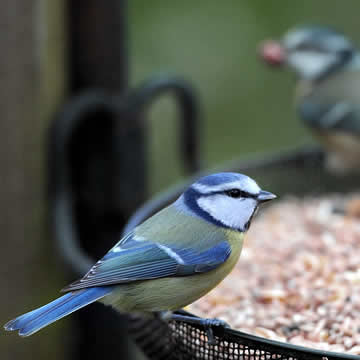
pixel 209 324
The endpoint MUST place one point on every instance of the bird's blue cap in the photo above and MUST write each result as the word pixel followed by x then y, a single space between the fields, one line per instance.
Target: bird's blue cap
pixel 221 178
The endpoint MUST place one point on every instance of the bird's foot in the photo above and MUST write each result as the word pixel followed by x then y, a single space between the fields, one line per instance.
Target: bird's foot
pixel 208 324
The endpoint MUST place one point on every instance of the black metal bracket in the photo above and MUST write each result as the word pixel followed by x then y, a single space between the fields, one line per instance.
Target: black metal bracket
pixel 186 100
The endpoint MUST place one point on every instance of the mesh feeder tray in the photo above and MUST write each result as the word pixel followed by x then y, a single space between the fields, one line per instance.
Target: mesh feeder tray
pixel 297 172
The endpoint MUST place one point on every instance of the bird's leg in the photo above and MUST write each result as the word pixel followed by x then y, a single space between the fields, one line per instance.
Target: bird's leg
pixel 208 324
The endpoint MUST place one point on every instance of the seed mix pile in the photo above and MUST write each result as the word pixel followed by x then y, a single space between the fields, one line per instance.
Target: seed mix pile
pixel 298 278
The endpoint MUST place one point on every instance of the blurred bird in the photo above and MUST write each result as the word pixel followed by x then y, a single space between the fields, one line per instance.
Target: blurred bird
pixel 327 96
pixel 170 260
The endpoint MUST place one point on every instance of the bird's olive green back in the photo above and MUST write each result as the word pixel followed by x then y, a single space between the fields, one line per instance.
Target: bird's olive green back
pixel 171 226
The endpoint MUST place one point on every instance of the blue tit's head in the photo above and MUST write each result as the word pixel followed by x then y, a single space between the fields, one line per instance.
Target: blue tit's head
pixel 227 199
pixel 315 51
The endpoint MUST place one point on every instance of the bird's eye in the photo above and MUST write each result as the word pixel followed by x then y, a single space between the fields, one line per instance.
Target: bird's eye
pixel 234 193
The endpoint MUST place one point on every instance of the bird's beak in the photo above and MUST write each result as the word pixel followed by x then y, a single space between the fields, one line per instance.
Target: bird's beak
pixel 265 196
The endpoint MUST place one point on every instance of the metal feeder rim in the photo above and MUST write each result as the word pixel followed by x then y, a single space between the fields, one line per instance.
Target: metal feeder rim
pixel 264 343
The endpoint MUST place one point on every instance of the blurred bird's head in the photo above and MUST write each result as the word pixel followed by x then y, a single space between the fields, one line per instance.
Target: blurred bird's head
pixel 313 52
pixel 227 200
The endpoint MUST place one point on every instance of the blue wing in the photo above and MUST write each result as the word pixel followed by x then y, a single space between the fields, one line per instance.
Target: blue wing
pixel 134 260
pixel 332 104
pixel 330 116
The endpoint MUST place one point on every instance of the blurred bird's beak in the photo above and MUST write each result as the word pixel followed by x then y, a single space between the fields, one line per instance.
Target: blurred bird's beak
pixel 265 196
pixel 272 52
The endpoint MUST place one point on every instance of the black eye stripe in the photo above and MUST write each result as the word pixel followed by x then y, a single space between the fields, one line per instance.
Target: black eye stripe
pixel 237 193
pixel 243 194
pixel 306 46
pixel 234 193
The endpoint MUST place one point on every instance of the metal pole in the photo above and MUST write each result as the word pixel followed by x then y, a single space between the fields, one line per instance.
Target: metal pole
pixel 101 169
pixel 98 45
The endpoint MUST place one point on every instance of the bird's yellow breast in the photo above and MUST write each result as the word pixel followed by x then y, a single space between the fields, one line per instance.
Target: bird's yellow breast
pixel 173 293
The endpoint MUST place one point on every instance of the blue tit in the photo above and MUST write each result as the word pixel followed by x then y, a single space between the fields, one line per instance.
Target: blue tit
pixel 327 96
pixel 170 260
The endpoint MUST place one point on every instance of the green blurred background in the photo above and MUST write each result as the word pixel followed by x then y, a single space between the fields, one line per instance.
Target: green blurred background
pixel 247 109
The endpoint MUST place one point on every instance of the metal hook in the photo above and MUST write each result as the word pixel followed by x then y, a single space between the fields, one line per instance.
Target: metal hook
pixel 186 99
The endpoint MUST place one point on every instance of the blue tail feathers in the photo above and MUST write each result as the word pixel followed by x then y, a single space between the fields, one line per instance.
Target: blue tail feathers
pixel 35 320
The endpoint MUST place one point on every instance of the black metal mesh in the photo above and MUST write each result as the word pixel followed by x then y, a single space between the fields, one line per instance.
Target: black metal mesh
pixel 184 341
pixel 192 344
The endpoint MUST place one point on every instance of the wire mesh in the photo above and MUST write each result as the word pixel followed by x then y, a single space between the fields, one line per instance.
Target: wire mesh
pixel 184 341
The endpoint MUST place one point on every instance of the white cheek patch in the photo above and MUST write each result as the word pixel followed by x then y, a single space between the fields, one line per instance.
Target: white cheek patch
pixel 310 64
pixel 234 213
